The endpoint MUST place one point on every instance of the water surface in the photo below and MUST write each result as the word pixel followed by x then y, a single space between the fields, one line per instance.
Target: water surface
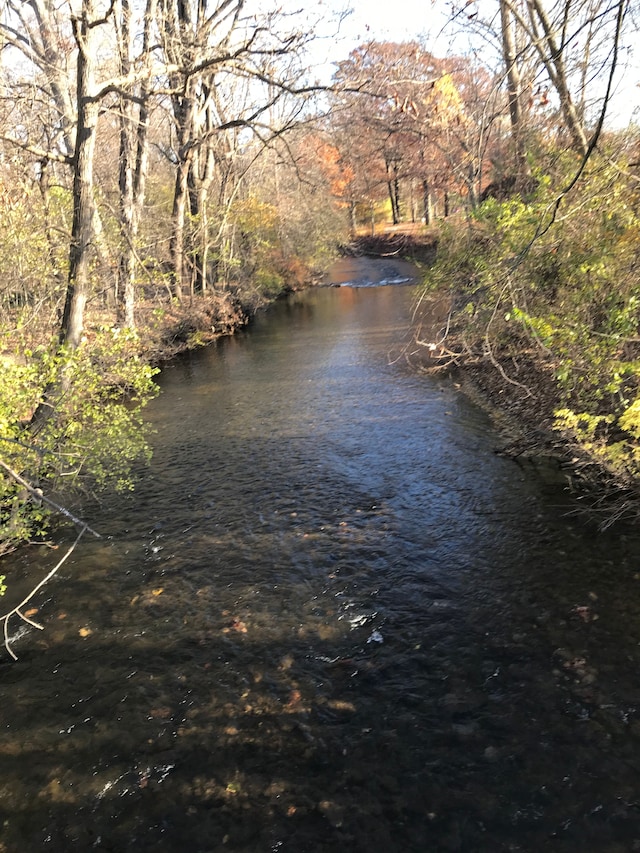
pixel 329 618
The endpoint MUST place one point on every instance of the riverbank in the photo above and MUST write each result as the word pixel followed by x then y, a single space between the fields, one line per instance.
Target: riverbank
pixel 522 396
pixel 200 320
pixel 417 244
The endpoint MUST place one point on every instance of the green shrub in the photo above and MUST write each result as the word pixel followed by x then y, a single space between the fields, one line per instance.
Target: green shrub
pixel 563 279
pixel 90 439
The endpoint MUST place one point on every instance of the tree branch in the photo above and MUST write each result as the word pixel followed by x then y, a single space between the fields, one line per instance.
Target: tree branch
pixel 16 611
pixel 37 494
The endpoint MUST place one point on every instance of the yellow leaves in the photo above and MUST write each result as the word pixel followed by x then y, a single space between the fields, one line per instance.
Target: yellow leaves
pixel 85 632
pixel 341 705
pixel 630 420
pixel 446 99
pixel 255 216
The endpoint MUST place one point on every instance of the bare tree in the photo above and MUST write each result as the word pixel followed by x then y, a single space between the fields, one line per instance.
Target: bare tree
pixel 134 108
pixel 513 62
pixel 43 32
pixel 410 119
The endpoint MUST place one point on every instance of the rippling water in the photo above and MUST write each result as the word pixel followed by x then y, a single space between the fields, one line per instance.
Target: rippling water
pixel 330 618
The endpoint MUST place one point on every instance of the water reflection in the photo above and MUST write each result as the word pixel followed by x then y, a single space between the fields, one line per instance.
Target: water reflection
pixel 330 617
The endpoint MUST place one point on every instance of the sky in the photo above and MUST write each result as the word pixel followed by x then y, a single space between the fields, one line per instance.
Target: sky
pixel 391 20
pixel 404 20
pixel 399 20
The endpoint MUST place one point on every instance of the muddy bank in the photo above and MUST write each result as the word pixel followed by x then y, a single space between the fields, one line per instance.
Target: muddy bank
pixel 418 246
pixel 521 395
pixel 177 327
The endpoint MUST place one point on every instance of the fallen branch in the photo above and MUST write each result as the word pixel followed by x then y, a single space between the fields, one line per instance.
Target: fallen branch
pixel 38 495
pixel 16 610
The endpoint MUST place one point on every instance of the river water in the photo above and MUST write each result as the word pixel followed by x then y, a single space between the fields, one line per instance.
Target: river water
pixel 330 617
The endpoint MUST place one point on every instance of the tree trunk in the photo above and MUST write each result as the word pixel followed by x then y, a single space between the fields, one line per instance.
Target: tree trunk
pixel 393 189
pixel 543 38
pixel 83 199
pixel 82 228
pixel 126 266
pixel 183 110
pixel 203 173
pixel 396 196
pixel 514 89
pixel 427 202
pixel 471 185
pixel 552 56
pixel 134 126
pixel 178 214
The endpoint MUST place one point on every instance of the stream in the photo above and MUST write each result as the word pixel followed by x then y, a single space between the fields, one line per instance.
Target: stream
pixel 330 617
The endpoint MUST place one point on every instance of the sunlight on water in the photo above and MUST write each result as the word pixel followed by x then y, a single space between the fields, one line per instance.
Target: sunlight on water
pixel 329 618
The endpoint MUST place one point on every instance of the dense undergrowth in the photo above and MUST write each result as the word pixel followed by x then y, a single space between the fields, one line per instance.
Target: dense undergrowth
pixel 88 437
pixel 552 279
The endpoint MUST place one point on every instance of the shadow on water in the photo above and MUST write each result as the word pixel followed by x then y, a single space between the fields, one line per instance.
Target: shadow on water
pixel 330 618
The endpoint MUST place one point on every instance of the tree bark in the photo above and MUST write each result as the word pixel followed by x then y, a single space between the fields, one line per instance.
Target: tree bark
pixel 427 202
pixel 82 230
pixel 552 56
pixel 134 153
pixel 393 186
pixel 543 38
pixel 178 214
pixel 514 88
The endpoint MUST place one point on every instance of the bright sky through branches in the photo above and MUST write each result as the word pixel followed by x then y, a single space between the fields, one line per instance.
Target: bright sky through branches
pixel 405 20
pixel 400 20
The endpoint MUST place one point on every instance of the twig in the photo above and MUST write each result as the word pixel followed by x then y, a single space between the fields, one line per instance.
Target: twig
pixel 38 495
pixel 489 348
pixel 16 610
